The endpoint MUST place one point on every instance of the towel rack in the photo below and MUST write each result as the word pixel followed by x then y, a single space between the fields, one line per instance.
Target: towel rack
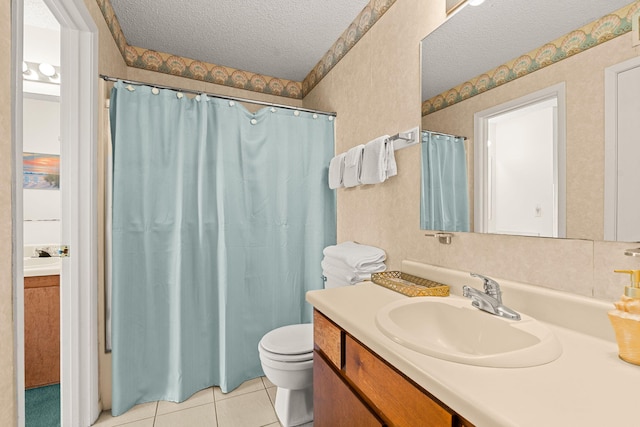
pixel 405 139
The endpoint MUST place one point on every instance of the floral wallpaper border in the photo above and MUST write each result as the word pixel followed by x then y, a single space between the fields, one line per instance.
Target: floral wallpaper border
pixel 586 37
pixel 185 67
pixel 358 28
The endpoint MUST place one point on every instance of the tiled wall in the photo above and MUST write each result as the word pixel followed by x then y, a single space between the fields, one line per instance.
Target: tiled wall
pixel 376 90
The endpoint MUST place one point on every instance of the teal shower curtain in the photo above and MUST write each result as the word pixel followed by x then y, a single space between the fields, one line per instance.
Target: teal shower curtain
pixel 444 203
pixel 219 220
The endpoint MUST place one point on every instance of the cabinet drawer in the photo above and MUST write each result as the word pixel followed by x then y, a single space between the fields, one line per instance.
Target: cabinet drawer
pixel 334 403
pixel 327 338
pixel 401 402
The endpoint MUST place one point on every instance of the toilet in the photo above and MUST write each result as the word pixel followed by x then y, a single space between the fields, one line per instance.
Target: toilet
pixel 286 355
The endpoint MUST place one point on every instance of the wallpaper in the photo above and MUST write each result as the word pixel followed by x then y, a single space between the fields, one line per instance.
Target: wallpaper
pixel 193 69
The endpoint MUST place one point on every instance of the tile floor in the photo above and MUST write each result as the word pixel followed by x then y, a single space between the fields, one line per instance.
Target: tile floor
pixel 250 405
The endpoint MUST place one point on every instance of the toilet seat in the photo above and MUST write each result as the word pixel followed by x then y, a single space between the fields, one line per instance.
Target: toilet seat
pixel 291 340
pixel 291 358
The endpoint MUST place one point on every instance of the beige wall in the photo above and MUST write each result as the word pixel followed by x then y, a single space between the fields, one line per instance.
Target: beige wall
pixel 376 90
pixel 583 75
pixel 7 375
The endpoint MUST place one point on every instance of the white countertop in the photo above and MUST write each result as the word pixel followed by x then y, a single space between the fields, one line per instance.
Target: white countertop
pixel 588 385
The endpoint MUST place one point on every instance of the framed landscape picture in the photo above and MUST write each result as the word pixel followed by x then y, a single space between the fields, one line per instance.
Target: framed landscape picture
pixel 41 171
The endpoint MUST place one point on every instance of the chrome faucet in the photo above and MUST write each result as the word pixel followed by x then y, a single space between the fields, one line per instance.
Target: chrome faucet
pixel 490 300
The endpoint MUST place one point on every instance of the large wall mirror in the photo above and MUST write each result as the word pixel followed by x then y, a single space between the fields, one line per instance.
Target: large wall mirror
pixel 488 72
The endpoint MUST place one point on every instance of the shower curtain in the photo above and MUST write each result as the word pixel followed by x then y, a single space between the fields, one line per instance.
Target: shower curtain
pixel 219 221
pixel 444 204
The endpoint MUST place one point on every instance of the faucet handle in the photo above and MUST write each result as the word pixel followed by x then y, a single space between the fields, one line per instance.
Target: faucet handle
pixel 491 287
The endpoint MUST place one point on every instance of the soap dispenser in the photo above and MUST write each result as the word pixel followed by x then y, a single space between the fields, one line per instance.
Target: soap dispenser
pixel 625 319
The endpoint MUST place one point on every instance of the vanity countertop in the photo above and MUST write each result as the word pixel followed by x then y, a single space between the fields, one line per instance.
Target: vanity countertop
pixel 588 385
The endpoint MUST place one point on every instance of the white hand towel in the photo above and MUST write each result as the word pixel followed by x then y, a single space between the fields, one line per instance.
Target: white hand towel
pixel 355 255
pixel 352 165
pixel 374 161
pixel 392 167
pixel 336 171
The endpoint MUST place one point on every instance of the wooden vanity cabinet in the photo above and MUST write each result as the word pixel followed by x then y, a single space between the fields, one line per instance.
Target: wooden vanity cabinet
pixel 355 387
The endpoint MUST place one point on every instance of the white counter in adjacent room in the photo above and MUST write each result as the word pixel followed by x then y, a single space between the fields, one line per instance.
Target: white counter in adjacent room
pixel 588 385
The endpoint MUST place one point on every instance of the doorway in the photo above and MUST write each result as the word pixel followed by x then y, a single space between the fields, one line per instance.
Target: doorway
pixel 621 173
pixel 79 404
pixel 41 214
pixel 519 166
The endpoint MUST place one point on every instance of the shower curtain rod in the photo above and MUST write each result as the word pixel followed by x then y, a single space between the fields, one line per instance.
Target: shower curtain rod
pixel 231 98
pixel 445 134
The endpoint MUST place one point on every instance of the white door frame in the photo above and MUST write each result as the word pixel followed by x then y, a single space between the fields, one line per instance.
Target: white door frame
pixel 611 145
pixel 78 181
pixel 480 178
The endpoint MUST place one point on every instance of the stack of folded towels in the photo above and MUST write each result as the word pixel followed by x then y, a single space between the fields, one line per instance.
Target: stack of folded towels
pixel 349 263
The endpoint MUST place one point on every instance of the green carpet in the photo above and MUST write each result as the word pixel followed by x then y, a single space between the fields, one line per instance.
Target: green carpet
pixel 42 406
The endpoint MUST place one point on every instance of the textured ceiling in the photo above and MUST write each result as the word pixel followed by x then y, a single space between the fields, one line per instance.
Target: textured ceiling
pixel 478 39
pixel 37 14
pixel 278 38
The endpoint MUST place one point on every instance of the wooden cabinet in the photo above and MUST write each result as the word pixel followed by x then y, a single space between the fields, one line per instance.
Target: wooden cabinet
pixel 334 403
pixel 41 330
pixel 353 381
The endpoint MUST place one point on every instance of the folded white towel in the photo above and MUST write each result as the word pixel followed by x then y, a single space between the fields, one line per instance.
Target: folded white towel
pixel 340 280
pixel 352 165
pixel 355 255
pixel 392 167
pixel 336 171
pixel 330 263
pixel 374 161
pixel 334 282
pixel 349 276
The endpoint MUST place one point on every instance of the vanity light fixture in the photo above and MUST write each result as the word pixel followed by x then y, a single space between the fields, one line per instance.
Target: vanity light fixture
pixel 41 72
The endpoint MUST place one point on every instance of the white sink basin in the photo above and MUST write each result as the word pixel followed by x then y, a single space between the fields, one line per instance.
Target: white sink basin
pixel 451 329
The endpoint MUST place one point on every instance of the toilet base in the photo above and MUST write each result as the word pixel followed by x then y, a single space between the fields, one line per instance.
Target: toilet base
pixel 294 407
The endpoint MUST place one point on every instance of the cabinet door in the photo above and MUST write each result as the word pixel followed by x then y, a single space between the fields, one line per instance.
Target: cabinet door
pixel 400 402
pixel 334 404
pixel 327 338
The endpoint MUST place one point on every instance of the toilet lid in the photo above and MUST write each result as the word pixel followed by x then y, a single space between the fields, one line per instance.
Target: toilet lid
pixel 292 339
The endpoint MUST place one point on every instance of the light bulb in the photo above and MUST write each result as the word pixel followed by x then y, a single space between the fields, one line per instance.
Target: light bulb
pixel 47 69
pixel 476 2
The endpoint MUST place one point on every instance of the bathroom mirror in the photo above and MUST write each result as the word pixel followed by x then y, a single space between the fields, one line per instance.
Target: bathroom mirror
pixel 478 40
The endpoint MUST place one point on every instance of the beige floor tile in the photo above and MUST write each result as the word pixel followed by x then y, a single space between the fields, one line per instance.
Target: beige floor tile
pixel 267 383
pixel 138 412
pixel 199 416
pixel 147 422
pixel 246 387
pixel 200 398
pixel 247 410
pixel 271 391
